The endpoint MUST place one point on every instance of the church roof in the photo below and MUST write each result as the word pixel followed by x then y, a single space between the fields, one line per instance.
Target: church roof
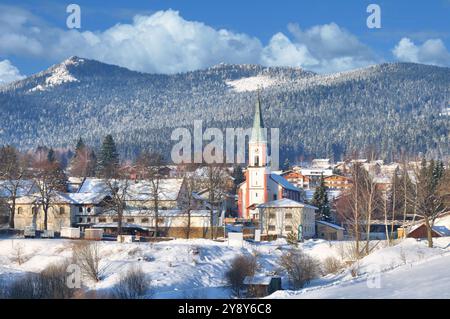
pixel 258 131
pixel 285 203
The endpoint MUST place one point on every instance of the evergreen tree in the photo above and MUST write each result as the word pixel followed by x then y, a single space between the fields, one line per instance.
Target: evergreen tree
pixel 51 156
pixel 286 165
pixel 80 146
pixel 320 200
pixel 109 158
pixel 238 176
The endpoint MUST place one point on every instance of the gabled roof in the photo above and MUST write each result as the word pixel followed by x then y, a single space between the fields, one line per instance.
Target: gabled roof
pixel 283 182
pixel 285 203
pixel 322 222
pixel 169 188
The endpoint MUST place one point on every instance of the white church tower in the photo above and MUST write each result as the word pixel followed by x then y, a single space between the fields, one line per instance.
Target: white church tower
pixel 258 169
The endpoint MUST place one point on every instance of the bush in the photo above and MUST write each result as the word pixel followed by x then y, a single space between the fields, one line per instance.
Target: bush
pixel 331 265
pixel 132 285
pixel 241 266
pixel 49 284
pixel 300 267
pixel 87 256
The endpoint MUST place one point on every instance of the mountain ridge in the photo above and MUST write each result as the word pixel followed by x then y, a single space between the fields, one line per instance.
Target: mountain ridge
pixel 318 115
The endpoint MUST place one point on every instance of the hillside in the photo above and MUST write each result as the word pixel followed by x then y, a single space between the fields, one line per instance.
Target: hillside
pixel 390 106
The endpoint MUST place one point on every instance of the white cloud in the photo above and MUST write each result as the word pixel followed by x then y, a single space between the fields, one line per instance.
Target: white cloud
pixel 432 51
pixel 164 42
pixel 324 48
pixel 8 72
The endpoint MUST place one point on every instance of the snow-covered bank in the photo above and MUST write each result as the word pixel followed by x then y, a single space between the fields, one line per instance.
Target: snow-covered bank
pixel 196 268
pixel 407 270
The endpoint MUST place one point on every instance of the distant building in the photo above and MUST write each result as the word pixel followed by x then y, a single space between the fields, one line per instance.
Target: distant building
pixel 297 179
pixel 337 182
pixel 286 217
pixel 329 231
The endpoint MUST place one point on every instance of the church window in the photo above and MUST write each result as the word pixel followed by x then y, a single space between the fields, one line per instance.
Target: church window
pixel 274 196
pixel 256 160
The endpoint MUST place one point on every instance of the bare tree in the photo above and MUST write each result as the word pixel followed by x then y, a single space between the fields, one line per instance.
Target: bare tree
pixel 216 183
pixel 431 194
pixel 187 201
pixel 150 167
pixel 118 183
pixel 13 171
pixel 49 179
pixel 87 256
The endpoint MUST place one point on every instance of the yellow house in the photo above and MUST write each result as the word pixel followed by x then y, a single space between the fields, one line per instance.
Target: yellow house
pixel 29 212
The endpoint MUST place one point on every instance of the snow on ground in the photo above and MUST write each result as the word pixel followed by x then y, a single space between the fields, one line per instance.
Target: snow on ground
pixel 252 83
pixel 407 270
pixel 176 271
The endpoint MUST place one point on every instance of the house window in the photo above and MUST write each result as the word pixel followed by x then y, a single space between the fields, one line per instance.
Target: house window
pixel 144 220
pixel 88 220
pixel 80 220
pixel 61 211
pixel 271 227
pixel 89 210
pixel 80 209
pixel 19 210
pixel 102 220
pixel 288 216
pixel 274 196
pixel 115 220
pixel 160 220
pixel 130 220
pixel 288 228
pixel 272 215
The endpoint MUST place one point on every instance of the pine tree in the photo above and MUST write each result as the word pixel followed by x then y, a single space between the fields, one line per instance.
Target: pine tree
pixel 238 175
pixel 51 156
pixel 109 158
pixel 80 146
pixel 286 165
pixel 320 200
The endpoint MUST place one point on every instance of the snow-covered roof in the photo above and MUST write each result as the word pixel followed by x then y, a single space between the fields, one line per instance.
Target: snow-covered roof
pixel 283 182
pixel 25 187
pixel 322 222
pixel 114 225
pixel 284 203
pixel 258 280
pixel 86 198
pixel 161 213
pixel 169 188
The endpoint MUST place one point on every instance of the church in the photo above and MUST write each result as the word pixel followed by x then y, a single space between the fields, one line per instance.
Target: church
pixel 261 185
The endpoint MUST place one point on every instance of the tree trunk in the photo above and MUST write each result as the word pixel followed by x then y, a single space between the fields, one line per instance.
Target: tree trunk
pixel 429 232
pixel 119 220
pixel 45 208
pixel 12 213
pixel 156 202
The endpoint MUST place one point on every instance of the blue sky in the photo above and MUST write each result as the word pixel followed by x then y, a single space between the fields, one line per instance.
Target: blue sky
pixel 180 35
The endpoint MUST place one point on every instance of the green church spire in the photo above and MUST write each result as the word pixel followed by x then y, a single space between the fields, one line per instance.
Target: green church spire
pixel 258 131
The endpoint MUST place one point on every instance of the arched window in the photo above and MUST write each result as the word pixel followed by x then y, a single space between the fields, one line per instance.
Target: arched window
pixel 80 209
pixel 19 210
pixel 257 160
pixel 61 211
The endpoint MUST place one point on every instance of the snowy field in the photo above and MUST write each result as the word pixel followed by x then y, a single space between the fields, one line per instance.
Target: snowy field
pixel 196 268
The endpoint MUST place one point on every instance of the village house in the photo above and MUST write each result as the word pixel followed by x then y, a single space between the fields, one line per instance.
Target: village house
pixel 337 182
pixel 329 231
pixel 297 179
pixel 286 217
pixel 91 207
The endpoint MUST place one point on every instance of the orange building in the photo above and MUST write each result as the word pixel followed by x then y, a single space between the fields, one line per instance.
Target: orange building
pixel 337 182
pixel 297 179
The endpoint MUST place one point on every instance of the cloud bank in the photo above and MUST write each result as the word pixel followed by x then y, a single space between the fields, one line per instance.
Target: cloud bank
pixel 430 52
pixel 9 73
pixel 165 42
